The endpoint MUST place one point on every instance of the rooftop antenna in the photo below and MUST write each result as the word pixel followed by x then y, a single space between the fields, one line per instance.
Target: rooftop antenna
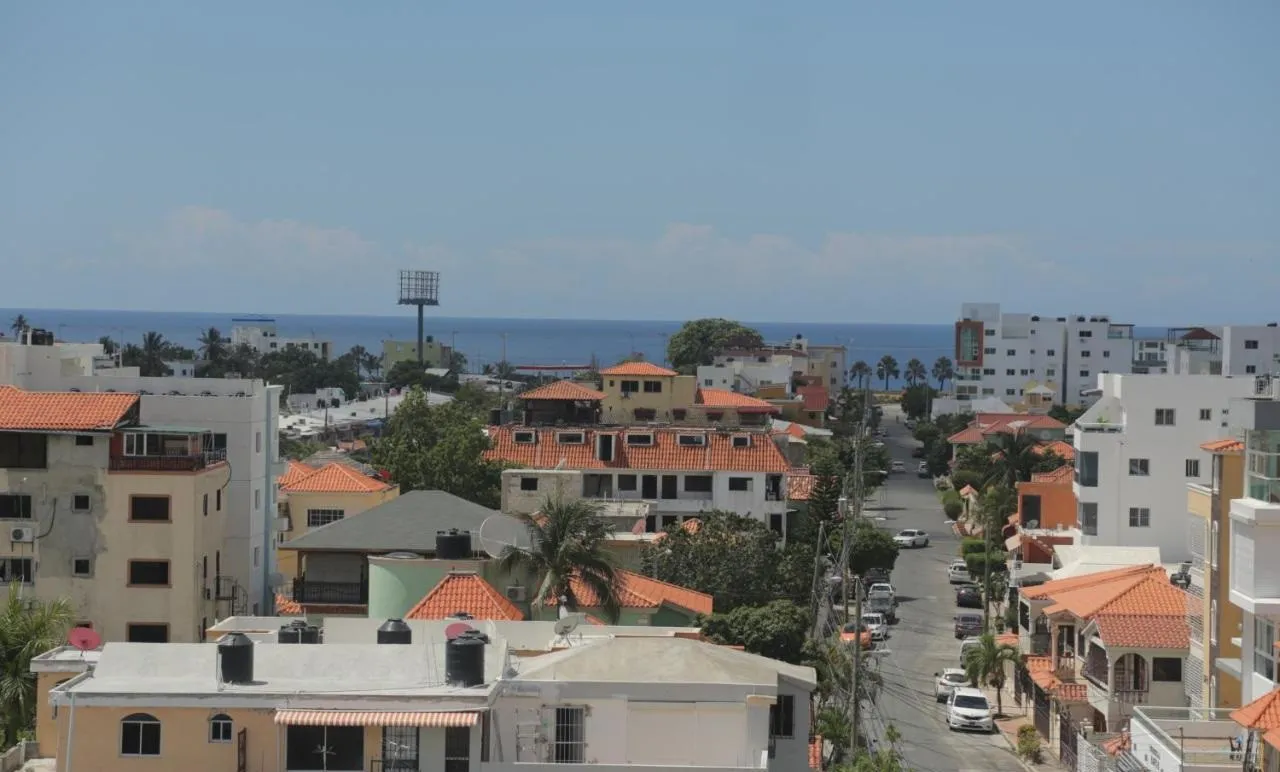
pixel 84 639
pixel 565 626
pixel 421 289
pixel 498 532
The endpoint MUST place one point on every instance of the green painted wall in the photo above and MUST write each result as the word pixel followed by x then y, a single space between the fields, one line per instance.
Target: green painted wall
pixel 397 584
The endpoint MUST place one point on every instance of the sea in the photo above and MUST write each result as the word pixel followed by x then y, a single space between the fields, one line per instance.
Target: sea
pixel 559 342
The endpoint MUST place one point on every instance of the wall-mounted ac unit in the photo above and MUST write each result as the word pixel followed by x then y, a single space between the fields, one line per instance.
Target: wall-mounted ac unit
pixel 22 534
pixel 516 593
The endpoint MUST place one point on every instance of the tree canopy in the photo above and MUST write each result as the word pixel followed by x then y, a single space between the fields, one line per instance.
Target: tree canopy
pixel 776 629
pixel 872 547
pixel 730 557
pixel 28 628
pixel 699 340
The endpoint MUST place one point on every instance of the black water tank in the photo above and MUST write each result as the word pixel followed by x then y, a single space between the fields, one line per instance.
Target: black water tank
pixel 235 659
pixel 395 631
pixel 298 632
pixel 464 659
pixel 452 545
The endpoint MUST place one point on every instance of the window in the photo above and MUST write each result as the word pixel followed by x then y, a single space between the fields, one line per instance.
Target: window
pixel 1213 545
pixel 1013 352
pixel 525 438
pixel 1213 621
pixel 148 573
pixel 1030 510
pixel 988 371
pixel 1164 416
pixel 1250 369
pixel 148 509
pixel 714 416
pixel 1206 414
pixel 626 482
pixel 205 505
pixel 1264 651
pixel 139 735
pixel 1088 518
pixel 1084 354
pixel 739 483
pixel 1251 344
pixel 1139 517
pixel 215 441
pixel 989 351
pixel 1050 371
pixel 319 517
pixel 82 567
pixel 15 506
pixel 677 414
pixel 639 439
pixel 220 728
pixel 20 570
pixel 782 717
pixel 1139 467
pixel 257 556
pixel 1193 467
pixel 1084 373
pixel 1010 392
pixel 1011 371
pixel 324 747
pixel 257 498
pixel 1087 468
pixel 1166 669
pixel 742 441
pixel 257 442
pixel 697 484
pixel 1049 352
pixel 528 483
pixel 775 523
pixel 653 387
pixel 400 748
pixel 630 387
pixel 571 438
pixel 1086 333
pixel 707 382
pixel 1106 355
pixel 84 440
pixel 668 521
pixel 692 440
pixel 570 746
pixel 645 413
pixel 217 499
pixel 23 451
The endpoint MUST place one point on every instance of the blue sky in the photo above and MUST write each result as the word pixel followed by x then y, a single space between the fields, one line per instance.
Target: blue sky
pixel 821 161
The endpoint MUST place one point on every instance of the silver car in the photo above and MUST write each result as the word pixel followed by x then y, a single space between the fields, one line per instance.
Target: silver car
pixel 947 681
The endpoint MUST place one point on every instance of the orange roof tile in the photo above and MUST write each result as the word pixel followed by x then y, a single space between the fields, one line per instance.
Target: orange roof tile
pixel 815 752
pixel 986 424
pixel 665 452
pixel 815 397
pixel 1007 639
pixel 563 390
pixel 639 591
pixel 732 400
pixel 334 478
pixel 295 471
pixel 1144 631
pixel 286 605
pixel 800 486
pixel 1272 738
pixel 58 411
pixel 1051 589
pixel 1263 713
pixel 690 525
pixel 1062 474
pixel 1140 609
pixel 1117 745
pixel 468 593
pixel 1226 446
pixel 1063 450
pixel 638 369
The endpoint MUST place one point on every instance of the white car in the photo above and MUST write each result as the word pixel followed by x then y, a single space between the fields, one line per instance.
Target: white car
pixel 958 573
pixel 897 466
pixel 882 590
pixel 910 537
pixel 876 626
pixel 947 681
pixel 967 708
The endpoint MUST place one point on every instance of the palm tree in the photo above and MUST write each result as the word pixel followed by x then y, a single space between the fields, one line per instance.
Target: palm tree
pixel 860 372
pixel 213 347
pixel 19 325
pixel 989 661
pixel 372 363
pixel 109 346
pixel 356 354
pixel 887 368
pixel 916 374
pixel 504 370
pixel 1015 459
pixel 154 349
pixel 943 371
pixel 567 542
pixel 27 629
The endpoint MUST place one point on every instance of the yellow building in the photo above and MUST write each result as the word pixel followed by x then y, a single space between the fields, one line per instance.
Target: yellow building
pixel 311 497
pixel 642 392
pixel 434 353
pixel 122 520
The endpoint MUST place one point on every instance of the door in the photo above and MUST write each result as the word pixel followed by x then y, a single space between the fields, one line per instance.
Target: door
pixel 242 750
pixel 649 486
pixel 399 748
pixel 669 486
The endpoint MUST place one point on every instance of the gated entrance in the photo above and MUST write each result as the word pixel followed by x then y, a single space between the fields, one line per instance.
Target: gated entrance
pixel 1067 739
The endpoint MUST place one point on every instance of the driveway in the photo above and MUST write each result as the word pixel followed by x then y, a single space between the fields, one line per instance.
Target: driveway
pixel 922 642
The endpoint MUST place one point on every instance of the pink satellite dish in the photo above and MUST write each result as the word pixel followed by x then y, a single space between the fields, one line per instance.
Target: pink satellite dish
pixel 84 639
pixel 456 629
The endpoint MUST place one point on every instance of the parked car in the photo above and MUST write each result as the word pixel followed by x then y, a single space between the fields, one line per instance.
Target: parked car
pixel 876 625
pixel 969 596
pixel 958 572
pixel 882 590
pixel 945 683
pixel 923 469
pixel 884 605
pixel 967 708
pixel 875 575
pixel 966 646
pixel 897 466
pixel 911 537
pixel 967 625
pixel 857 632
pixel 917 451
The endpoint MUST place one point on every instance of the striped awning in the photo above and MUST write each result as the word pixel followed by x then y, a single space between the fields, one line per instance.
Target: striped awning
pixel 375 718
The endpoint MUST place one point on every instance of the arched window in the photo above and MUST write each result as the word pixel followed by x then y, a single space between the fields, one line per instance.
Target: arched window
pixel 139 735
pixel 220 728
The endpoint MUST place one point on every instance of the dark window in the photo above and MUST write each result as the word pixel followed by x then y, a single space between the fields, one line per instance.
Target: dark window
pixel 84 440
pixel 626 482
pixel 1193 467
pixel 1139 467
pixel 1030 510
pixel 1087 469
pixel 149 509
pixel 645 413
pixel 782 717
pixel 1088 516
pixel 80 502
pixel 220 728
pixel 15 506
pixel 653 387
pixel 457 749
pixel 715 416
pixel 669 489
pixel 81 567
pixel 1084 353
pixel 739 483
pixel 215 442
pixel 325 747
pixel 139 735
pixel 400 748
pixel 677 414
pixel 775 523
pixel 570 745
pixel 1166 669
pixel 1139 517
pixel 697 484
pixel 528 483
pixel 1049 352
pixel 16 570
pixel 23 451
pixel 217 500
pixel 146 633
pixel 1165 416
pixel 630 387
pixel 668 521
pixel 205 504
pixel 149 573
pixel 1249 344
pixel 1206 414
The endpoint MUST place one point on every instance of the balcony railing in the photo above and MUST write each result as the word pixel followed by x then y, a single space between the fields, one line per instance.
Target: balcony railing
pixel 350 593
pixel 1097 674
pixel 184 463
pixel 1040 643
pixel 1131 696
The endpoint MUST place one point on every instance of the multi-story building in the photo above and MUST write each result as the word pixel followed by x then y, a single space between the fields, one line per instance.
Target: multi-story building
pixel 122 519
pixel 1136 448
pixel 1009 355
pixel 311 497
pixel 434 353
pixel 261 334
pixel 644 393
pixel 1230 350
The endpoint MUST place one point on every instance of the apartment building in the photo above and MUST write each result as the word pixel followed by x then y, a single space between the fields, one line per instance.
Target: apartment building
pixel 311 497
pixel 1136 449
pixel 1006 355
pixel 124 520
pixel 434 353
pixel 261 334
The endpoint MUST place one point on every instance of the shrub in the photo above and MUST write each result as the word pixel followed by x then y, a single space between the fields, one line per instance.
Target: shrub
pixel 1029 745
pixel 972 547
pixel 963 477
pixel 952 509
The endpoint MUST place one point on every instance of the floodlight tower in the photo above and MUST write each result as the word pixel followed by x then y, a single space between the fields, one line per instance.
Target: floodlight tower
pixel 421 289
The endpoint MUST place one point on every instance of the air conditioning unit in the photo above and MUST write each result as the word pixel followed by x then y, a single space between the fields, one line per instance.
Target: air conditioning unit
pixel 22 534
pixel 516 593
pixel 1264 386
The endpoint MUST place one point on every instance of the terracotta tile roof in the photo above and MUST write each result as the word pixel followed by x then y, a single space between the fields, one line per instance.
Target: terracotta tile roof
pixel 1042 674
pixel 1063 450
pixel 287 606
pixel 1007 639
pixel 1144 631
pixel 333 478
pixel 1272 738
pixel 563 390
pixel 1263 713
pixel 295 471
pixel 800 486
pixel 815 397
pixel 639 369
pixel 638 591
pixel 732 400
pixel 59 411
pixel 1062 474
pixel 815 752
pixel 468 593
pixel 665 453
pixel 1117 745
pixel 1050 589
pixel 1225 446
pixel 690 525
pixel 1133 610
pixel 986 424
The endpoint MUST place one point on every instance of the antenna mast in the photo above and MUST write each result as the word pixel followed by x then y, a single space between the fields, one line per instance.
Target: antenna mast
pixel 421 289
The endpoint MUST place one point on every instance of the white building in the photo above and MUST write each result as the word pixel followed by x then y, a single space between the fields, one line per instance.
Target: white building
pixel 1230 350
pixel 1004 355
pixel 745 372
pixel 1136 449
pixel 260 333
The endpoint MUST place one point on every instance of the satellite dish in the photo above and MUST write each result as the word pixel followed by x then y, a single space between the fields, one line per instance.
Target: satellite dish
pixel 567 625
pixel 498 532
pixel 84 639
pixel 456 629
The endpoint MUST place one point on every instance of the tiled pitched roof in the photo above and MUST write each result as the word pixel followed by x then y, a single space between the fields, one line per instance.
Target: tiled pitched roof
pixel 1063 450
pixel 58 411
pixel 732 400
pixel 295 471
pixel 1042 674
pixel 333 478
pixel 987 424
pixel 1225 446
pixel 465 592
pixel 1144 631
pixel 1062 474
pixel 563 390
pixel 1051 589
pixel 1263 713
pixel 815 397
pixel 1133 610
pixel 638 369
pixel 665 452
pixel 639 591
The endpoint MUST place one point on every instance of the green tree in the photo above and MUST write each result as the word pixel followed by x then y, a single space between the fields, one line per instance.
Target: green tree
pixel 109 346
pixel 372 364
pixel 567 541
pixel 150 356
pixel 916 373
pixel 1065 414
pixel 700 340
pixel 301 371
pixel 730 557
pixel 886 369
pixel 943 371
pixel 871 548
pixel 859 373
pixel 776 630
pixel 1013 460
pixel 824 499
pixel 438 448
pixel 28 628
pixel 989 662
pixel 476 399
pixel 916 399
pixel 19 325
pixel 213 347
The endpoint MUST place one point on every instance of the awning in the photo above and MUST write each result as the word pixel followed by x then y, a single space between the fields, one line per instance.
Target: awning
pixel 375 718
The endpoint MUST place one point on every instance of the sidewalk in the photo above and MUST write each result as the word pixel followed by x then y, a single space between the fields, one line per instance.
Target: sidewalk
pixel 1015 717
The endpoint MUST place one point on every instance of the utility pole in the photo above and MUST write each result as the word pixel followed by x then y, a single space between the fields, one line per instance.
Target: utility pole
pixel 849 581
pixel 857 669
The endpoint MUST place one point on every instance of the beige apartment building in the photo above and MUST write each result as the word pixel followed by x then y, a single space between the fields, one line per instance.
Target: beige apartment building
pixel 642 392
pixel 312 497
pixel 124 521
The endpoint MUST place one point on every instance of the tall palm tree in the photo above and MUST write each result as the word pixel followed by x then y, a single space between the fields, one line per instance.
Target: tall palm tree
pixel 109 346
pixel 943 371
pixel 860 372
pixel 213 347
pixel 154 350
pixel 1015 459
pixel 887 368
pixel 27 629
pixel 567 541
pixel 372 363
pixel 990 661
pixel 504 370
pixel 19 325
pixel 916 373
pixel 356 354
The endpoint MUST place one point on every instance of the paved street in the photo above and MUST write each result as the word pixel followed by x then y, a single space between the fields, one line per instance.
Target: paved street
pixel 922 642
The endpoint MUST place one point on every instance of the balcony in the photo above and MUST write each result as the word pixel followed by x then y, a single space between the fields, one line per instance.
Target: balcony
pixel 339 593
pixel 189 462
pixel 1255 532
pixel 1191 739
